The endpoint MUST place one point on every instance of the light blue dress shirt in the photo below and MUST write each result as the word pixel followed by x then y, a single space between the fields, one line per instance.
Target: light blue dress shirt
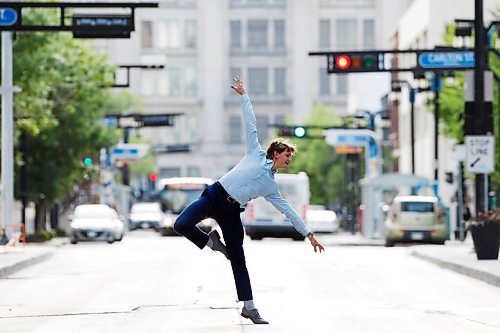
pixel 253 177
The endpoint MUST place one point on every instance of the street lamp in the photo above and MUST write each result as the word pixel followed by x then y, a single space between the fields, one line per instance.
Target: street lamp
pixel 413 92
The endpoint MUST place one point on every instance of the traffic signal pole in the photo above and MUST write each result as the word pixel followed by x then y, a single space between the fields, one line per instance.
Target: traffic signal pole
pixel 481 180
pixel 437 78
pixel 7 175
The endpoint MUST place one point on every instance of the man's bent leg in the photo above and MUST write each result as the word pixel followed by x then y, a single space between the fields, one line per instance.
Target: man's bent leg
pixel 190 216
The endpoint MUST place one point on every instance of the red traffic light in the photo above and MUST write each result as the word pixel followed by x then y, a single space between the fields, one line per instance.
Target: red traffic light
pixel 343 62
pixel 153 177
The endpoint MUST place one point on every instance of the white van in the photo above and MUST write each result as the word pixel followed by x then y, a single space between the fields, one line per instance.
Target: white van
pixel 261 219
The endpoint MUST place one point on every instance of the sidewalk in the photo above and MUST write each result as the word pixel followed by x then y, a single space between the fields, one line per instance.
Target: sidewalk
pixel 460 257
pixel 12 259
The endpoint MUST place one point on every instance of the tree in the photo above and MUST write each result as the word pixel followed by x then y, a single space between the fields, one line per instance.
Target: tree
pixel 60 109
pixel 452 105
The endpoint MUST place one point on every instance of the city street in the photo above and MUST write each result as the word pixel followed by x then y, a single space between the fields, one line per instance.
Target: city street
pixel 148 283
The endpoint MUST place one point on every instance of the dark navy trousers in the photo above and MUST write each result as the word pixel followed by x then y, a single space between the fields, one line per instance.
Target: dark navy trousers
pixel 213 203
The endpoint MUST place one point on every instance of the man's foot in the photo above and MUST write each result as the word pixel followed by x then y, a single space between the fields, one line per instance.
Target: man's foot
pixel 253 315
pixel 217 243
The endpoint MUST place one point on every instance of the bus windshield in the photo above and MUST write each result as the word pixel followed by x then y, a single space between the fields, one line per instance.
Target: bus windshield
pixel 175 197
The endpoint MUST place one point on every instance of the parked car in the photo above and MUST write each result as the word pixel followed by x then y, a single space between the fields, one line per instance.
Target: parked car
pixel 95 222
pixel 320 219
pixel 261 219
pixel 175 194
pixel 145 215
pixel 414 219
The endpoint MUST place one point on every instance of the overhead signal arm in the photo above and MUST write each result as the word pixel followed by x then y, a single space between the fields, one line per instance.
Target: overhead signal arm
pixel 442 59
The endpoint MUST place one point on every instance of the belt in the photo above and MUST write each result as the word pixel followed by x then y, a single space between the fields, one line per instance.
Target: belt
pixel 229 198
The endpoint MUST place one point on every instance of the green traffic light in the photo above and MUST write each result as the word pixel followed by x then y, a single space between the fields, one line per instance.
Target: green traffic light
pixel 368 62
pixel 88 161
pixel 299 131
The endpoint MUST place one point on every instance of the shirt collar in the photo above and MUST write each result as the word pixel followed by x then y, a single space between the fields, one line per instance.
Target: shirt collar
pixel 269 166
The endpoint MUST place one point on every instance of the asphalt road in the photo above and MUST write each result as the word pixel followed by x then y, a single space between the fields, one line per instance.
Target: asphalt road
pixel 148 283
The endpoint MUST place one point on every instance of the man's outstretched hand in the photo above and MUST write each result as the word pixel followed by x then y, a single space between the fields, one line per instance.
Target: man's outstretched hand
pixel 239 86
pixel 315 244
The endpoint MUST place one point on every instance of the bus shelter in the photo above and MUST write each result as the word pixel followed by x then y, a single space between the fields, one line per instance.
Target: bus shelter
pixel 377 193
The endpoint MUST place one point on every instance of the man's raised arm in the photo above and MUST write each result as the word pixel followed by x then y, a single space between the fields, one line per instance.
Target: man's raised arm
pixel 248 116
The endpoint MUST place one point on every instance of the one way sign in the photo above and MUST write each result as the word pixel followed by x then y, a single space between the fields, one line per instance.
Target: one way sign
pixel 480 153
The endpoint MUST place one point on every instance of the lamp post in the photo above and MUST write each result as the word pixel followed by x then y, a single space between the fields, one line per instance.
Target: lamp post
pixel 412 95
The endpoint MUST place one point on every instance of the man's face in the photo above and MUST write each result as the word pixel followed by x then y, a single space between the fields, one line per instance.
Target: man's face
pixel 281 160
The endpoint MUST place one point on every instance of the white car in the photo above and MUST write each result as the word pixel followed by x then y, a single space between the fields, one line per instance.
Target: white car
pixel 145 215
pixel 320 219
pixel 95 222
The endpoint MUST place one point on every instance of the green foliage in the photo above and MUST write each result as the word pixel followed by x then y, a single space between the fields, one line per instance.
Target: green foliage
pixel 60 107
pixel 43 236
pixel 145 165
pixel 318 159
pixel 452 105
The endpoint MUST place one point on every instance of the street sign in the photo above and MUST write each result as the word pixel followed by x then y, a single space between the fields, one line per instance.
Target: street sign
pixel 129 151
pixel 431 60
pixel 157 120
pixel 8 16
pixel 480 153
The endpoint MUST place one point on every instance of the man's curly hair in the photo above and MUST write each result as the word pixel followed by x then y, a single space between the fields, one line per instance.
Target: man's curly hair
pixel 279 145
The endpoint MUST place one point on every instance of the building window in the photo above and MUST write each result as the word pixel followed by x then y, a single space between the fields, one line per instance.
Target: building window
pixel 190 34
pixel 279 34
pixel 235 34
pixel 162 86
pixel 368 34
pixel 279 120
pixel 170 172
pixel 174 83
pixel 234 72
pixel 168 34
pixel 262 128
pixel 235 130
pixel 346 35
pixel 280 81
pixel 190 81
pixel 341 84
pixel 324 82
pixel 146 34
pixel 257 34
pixel 257 81
pixel 147 85
pixel 324 34
pixel 256 2
pixel 193 171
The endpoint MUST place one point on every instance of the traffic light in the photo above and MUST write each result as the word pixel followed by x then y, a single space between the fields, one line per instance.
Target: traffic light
pixel 355 62
pixel 299 131
pixel 449 177
pixel 296 131
pixel 152 180
pixel 88 161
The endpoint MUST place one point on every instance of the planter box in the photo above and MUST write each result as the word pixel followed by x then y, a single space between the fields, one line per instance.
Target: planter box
pixel 486 239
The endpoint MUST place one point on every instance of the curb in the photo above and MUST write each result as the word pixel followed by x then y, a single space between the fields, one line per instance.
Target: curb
pixel 10 269
pixel 470 272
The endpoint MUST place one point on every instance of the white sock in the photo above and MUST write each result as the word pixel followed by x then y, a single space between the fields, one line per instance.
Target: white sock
pixel 210 243
pixel 249 304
